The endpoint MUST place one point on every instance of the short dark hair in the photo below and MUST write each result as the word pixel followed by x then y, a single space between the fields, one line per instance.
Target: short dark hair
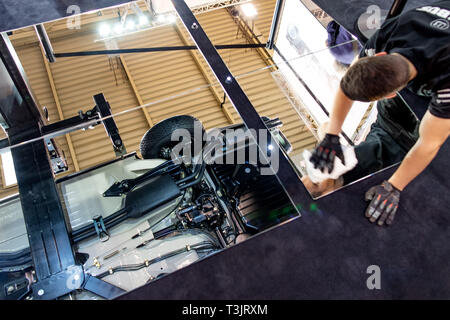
pixel 372 78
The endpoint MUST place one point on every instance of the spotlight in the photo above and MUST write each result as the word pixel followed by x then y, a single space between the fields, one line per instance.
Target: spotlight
pixel 249 10
pixel 143 20
pixel 104 30
pixel 118 28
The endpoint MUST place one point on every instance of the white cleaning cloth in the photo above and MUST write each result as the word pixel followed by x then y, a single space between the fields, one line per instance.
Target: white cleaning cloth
pixel 339 169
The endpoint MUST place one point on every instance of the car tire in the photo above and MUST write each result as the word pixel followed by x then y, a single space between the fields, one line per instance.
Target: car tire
pixel 158 138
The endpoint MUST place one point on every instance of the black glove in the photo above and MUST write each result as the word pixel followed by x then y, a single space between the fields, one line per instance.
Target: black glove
pixel 384 204
pixel 325 153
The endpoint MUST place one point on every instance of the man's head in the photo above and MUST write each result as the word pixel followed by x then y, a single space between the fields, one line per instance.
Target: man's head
pixel 374 78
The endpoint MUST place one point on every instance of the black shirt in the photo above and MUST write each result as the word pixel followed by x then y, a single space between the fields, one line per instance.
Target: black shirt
pixel 422 35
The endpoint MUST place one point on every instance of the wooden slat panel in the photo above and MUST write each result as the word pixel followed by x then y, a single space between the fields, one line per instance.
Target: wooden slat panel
pixel 263 22
pixel 161 75
pixel 78 79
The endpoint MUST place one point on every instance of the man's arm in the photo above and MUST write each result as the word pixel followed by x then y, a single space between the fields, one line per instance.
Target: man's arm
pixel 341 108
pixel 433 133
pixel 385 197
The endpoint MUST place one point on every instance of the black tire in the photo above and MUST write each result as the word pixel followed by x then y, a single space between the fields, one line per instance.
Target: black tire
pixel 157 138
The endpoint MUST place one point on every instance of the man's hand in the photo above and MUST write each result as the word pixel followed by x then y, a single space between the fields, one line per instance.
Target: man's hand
pixel 384 204
pixel 324 155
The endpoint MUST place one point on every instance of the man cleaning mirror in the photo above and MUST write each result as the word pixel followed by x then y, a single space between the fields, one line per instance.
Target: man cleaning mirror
pixel 409 51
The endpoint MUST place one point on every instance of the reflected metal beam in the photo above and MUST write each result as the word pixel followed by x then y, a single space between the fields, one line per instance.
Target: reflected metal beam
pixel 45 42
pixel 275 21
pixel 154 49
pixel 286 174
pixel 42 211
pixel 17 105
pixel 51 249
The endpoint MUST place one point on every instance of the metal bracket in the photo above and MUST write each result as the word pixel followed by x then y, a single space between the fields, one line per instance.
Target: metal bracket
pixel 73 278
pixel 100 228
pixel 59 284
pixel 101 110
pixel 274 26
pixel 104 111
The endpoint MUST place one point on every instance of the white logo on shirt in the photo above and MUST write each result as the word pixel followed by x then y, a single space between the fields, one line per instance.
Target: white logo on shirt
pixel 440 24
pixel 441 13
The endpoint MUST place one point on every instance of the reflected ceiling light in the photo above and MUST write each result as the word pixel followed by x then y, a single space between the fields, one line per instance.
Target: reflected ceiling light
pixel 130 25
pixel 104 30
pixel 171 18
pixel 249 10
pixel 161 18
pixel 118 28
pixel 143 20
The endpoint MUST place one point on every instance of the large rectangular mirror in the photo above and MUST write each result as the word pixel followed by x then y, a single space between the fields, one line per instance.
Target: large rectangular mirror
pixel 133 212
pixel 312 53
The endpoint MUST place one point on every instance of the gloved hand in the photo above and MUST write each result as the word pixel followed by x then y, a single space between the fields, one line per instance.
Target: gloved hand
pixel 325 153
pixel 384 204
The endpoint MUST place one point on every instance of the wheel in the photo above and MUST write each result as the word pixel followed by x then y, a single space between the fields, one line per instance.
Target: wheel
pixel 157 142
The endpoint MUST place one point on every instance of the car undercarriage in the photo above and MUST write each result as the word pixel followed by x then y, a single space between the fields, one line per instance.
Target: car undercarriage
pixel 135 220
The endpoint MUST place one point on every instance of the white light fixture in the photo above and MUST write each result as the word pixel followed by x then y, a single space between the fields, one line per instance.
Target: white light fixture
pixel 249 10
pixel 118 28
pixel 104 30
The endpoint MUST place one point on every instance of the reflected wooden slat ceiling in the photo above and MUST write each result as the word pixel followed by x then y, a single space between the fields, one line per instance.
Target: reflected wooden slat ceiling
pixel 155 76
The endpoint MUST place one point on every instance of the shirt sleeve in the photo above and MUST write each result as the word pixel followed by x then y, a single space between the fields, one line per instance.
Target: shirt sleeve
pixel 440 104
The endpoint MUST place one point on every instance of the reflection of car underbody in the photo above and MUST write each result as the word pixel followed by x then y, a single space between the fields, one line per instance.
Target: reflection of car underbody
pixel 133 220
